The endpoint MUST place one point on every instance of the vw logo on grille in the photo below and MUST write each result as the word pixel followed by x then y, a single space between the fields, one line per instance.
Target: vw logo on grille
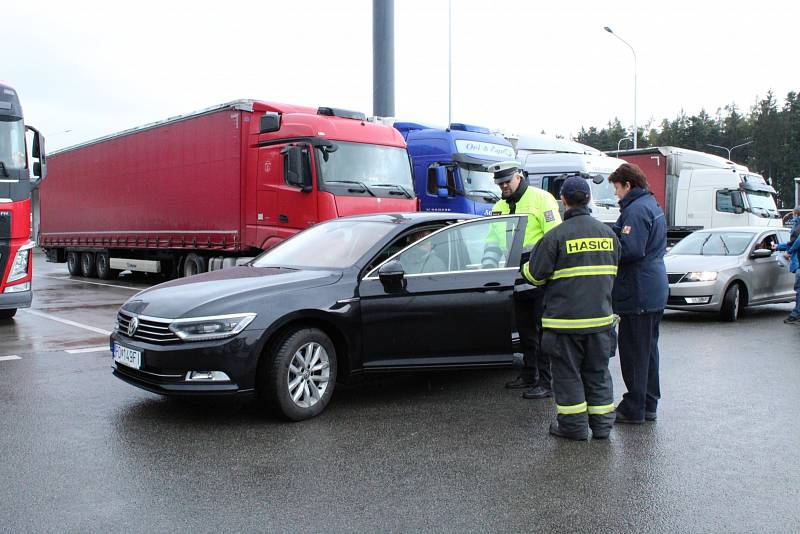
pixel 132 326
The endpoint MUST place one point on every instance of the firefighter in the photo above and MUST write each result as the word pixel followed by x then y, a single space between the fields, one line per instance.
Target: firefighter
pixel 543 215
pixel 577 262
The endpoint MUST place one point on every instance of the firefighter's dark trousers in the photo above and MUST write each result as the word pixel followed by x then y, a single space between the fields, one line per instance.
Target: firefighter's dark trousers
pixel 528 316
pixel 582 386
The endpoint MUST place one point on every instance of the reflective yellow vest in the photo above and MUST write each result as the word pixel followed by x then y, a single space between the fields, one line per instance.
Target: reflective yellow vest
pixel 541 208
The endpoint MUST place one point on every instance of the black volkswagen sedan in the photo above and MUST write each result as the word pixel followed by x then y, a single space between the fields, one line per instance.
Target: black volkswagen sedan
pixel 355 295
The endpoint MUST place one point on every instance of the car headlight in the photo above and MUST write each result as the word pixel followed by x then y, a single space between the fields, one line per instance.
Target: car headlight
pixel 19 267
pixel 215 327
pixel 701 276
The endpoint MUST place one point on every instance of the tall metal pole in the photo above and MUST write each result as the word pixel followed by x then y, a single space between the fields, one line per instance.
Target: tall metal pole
pixel 635 88
pixel 383 58
pixel 449 62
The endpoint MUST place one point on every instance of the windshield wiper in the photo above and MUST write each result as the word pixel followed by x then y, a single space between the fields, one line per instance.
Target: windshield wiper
pixel 491 194
pixel 703 244
pixel 727 251
pixel 362 184
pixel 605 203
pixel 398 186
pixel 3 168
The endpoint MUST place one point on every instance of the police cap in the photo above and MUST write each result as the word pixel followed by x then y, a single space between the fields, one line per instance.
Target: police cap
pixel 503 170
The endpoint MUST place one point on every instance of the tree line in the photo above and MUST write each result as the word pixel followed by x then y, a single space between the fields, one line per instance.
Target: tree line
pixel 771 129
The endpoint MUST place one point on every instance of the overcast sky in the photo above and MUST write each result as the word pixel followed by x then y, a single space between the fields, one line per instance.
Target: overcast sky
pixel 524 66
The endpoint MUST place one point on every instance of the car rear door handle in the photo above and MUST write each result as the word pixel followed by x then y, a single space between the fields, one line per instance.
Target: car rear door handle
pixel 491 288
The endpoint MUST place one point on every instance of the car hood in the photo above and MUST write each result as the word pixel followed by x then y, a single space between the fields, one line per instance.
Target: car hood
pixel 226 291
pixel 679 263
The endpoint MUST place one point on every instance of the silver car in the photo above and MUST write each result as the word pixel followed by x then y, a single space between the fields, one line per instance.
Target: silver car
pixel 726 269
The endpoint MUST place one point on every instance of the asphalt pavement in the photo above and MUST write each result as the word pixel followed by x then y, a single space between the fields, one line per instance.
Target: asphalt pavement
pixel 446 452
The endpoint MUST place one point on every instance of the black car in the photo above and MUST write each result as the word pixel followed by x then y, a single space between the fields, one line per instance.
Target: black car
pixel 363 294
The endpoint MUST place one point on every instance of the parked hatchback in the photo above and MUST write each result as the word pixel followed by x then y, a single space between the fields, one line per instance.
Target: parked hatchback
pixel 727 269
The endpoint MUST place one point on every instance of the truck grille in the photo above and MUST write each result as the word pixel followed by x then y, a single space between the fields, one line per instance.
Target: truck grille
pixel 149 330
pixel 675 278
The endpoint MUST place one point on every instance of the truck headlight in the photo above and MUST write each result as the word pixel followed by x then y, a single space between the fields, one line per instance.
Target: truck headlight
pixel 214 327
pixel 701 276
pixel 19 267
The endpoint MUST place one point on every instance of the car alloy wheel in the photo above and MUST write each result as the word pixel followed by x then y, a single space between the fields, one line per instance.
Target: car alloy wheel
pixel 308 375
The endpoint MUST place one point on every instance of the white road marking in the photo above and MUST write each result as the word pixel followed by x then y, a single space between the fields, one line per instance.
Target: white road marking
pixel 137 289
pixel 66 321
pixel 9 358
pixel 104 348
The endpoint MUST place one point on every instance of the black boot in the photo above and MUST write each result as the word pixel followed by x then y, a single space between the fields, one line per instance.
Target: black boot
pixel 538 392
pixel 523 381
pixel 556 431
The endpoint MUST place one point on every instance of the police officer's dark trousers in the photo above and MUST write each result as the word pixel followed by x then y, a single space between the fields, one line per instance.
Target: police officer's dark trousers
pixel 528 310
pixel 582 385
pixel 638 358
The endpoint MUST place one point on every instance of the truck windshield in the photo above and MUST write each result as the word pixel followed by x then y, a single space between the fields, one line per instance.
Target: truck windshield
pixel 12 144
pixel 479 183
pixel 713 244
pixel 336 244
pixel 603 193
pixel 362 169
pixel 762 204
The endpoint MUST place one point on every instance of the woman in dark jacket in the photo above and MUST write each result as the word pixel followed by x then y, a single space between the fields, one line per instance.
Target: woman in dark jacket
pixel 640 292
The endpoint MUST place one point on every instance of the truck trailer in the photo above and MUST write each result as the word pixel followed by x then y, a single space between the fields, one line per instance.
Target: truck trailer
pixel 216 187
pixel 699 190
pixel 16 187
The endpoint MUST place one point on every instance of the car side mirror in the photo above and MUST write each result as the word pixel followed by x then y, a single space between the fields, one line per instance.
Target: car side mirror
pixel 761 253
pixel 294 168
pixel 392 275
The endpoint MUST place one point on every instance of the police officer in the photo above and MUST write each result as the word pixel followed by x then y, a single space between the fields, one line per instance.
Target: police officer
pixel 542 210
pixel 578 262
pixel 640 292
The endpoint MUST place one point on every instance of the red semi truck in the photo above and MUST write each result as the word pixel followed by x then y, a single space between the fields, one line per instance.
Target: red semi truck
pixel 16 186
pixel 205 190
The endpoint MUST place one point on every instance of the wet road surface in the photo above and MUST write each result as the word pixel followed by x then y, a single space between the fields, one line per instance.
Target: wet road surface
pixel 84 452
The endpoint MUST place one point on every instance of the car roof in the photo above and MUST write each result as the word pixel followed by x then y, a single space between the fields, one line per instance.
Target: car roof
pixel 749 229
pixel 410 217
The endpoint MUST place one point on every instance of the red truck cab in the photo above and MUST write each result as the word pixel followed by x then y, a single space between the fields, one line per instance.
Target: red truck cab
pixel 15 203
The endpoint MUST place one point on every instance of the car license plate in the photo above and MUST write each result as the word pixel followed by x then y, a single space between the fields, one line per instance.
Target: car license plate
pixel 127 357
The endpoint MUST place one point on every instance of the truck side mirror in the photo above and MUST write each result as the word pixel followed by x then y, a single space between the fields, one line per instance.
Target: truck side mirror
pixel 441 177
pixel 37 152
pixel 270 122
pixel 737 202
pixel 295 168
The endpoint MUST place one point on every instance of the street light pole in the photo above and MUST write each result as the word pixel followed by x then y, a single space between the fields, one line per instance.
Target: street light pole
pixel 729 149
pixel 635 124
pixel 449 63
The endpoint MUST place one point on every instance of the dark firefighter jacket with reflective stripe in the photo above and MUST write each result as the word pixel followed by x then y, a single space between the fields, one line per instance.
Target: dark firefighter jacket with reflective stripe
pixel 577 261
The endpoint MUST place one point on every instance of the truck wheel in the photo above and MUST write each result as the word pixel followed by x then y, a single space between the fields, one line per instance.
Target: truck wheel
pixel 731 304
pixel 103 266
pixel 298 378
pixel 74 263
pixel 87 264
pixel 7 314
pixel 193 264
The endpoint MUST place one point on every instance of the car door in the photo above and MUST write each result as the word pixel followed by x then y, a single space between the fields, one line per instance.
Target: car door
pixel 784 289
pixel 454 303
pixel 766 273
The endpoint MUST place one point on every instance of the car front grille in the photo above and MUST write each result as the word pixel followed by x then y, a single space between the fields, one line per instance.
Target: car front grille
pixel 674 278
pixel 150 330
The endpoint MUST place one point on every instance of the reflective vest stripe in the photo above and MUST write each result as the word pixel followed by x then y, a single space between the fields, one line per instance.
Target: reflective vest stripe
pixel 586 270
pixel 569 410
pixel 548 322
pixel 601 410
pixel 526 272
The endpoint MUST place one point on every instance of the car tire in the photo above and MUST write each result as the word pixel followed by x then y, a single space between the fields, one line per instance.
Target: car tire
pixel 731 304
pixel 7 314
pixel 74 263
pixel 103 266
pixel 299 377
pixel 87 265
pixel 193 264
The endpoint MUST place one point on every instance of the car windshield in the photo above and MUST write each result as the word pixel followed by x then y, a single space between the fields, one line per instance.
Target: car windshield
pixel 762 204
pixel 12 143
pixel 603 193
pixel 336 244
pixel 364 169
pixel 713 244
pixel 479 182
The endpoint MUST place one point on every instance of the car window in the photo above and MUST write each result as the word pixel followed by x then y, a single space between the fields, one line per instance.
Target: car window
pixel 482 244
pixel 402 242
pixel 767 242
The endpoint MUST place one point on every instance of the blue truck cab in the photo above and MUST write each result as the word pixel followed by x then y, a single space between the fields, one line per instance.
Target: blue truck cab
pixel 449 166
